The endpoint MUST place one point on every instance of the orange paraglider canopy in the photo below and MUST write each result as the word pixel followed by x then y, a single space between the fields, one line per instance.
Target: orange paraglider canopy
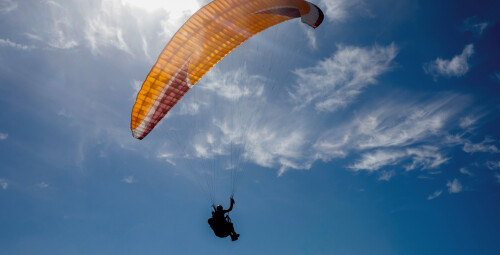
pixel 207 37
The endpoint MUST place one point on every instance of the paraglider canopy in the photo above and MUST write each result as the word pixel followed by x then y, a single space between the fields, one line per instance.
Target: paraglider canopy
pixel 207 37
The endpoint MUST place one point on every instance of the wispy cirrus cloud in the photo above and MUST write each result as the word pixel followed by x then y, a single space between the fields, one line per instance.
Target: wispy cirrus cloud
pixel 411 135
pixel 129 179
pixel 455 67
pixel 154 23
pixel 43 185
pixel 475 25
pixel 311 35
pixel 484 146
pixel 7 6
pixel 63 27
pixel 454 186
pixel 376 160
pixel 262 141
pixel 103 28
pixel 168 157
pixel 230 86
pixel 175 10
pixel 493 164
pixel 4 184
pixel 9 43
pixel 60 29
pixel 466 171
pixel 400 124
pixel 386 175
pixel 426 157
pixel 337 81
pixel 468 121
pixel 436 194
pixel 339 10
pixel 3 136
pixel 100 26
pixel 191 108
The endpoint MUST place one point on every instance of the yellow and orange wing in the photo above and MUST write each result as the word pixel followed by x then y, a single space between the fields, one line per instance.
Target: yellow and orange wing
pixel 207 37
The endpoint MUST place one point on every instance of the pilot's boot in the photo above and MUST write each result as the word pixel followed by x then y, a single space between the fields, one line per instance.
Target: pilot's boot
pixel 234 237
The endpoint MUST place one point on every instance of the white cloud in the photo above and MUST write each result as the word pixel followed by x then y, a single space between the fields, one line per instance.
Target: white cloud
pixel 61 34
pixel 204 151
pixel 386 175
pixel 454 186
pixel 375 161
pixel 465 171
pixel 4 184
pixel 103 29
pixel 168 157
pixel 102 35
pixel 311 35
pixel 233 85
pixel 53 3
pixel 336 81
pixel 338 10
pixel 475 25
pixel 102 26
pixel 484 146
pixel 457 66
pixel 190 108
pixel 424 177
pixel 331 146
pixel 425 157
pixel 33 36
pixel 136 86
pixel 175 9
pixel 61 42
pixel 134 27
pixel 403 124
pixel 60 28
pixel 3 136
pixel 394 132
pixel 455 139
pixel 7 6
pixel 436 193
pixel 65 113
pixel 43 185
pixel 145 48
pixel 493 164
pixel 129 179
pixel 468 121
pixel 9 43
pixel 497 177
pixel 266 144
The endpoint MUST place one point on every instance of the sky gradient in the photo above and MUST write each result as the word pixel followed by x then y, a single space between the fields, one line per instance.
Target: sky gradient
pixel 376 133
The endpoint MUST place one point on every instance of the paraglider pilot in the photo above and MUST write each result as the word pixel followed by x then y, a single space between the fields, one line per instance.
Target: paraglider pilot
pixel 221 223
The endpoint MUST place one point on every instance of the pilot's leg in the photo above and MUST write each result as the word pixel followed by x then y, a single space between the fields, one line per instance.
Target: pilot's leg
pixel 234 235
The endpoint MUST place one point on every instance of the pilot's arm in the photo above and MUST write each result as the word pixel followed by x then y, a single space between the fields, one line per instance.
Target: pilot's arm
pixel 230 207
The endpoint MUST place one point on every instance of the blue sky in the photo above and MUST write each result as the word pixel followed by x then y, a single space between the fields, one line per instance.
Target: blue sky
pixel 376 133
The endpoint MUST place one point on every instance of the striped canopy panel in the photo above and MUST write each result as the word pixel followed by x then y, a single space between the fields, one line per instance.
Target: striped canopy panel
pixel 207 37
